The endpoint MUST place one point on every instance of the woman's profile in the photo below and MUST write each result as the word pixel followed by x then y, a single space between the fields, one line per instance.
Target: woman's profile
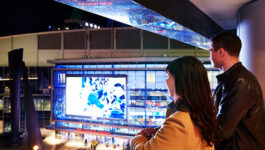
pixel 192 126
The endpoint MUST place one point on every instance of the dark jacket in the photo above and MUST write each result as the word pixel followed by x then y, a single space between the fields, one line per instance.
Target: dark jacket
pixel 241 112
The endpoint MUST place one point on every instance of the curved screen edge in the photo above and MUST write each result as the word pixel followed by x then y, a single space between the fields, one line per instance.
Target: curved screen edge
pixel 131 13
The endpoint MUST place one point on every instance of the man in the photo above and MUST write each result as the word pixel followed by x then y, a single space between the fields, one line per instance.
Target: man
pixel 238 98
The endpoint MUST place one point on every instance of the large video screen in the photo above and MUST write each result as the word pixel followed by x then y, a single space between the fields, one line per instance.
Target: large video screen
pixel 96 96
pixel 133 14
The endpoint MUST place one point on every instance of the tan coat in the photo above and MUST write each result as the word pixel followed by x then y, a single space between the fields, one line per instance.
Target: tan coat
pixel 177 133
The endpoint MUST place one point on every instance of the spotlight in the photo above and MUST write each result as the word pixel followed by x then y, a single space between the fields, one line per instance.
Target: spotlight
pixel 35 147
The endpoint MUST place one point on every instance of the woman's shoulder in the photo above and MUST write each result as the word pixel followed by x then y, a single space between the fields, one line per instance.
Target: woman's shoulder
pixel 182 121
pixel 182 115
pixel 179 117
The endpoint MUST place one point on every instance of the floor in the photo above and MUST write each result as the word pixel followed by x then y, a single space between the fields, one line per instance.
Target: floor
pixel 52 142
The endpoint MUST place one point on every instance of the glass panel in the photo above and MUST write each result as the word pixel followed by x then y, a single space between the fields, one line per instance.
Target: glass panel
pixel 131 13
pixel 147 94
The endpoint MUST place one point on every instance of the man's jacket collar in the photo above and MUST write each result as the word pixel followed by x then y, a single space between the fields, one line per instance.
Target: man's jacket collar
pixel 222 76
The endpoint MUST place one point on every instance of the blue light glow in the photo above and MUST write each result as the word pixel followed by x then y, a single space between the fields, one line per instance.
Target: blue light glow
pixel 96 96
pixel 131 13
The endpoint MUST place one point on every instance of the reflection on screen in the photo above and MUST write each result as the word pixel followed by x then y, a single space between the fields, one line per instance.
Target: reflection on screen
pixel 103 97
pixel 131 13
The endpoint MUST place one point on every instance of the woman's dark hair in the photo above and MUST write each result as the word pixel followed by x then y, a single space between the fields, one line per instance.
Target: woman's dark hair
pixel 192 85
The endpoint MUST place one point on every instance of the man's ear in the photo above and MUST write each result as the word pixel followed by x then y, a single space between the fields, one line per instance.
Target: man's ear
pixel 221 51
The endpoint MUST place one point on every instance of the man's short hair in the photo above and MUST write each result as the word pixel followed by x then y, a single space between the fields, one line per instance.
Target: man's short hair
pixel 228 41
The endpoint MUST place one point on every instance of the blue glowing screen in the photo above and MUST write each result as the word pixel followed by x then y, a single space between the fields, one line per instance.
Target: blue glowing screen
pixel 96 96
pixel 131 13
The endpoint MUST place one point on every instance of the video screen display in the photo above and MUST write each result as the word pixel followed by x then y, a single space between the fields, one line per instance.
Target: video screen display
pixel 96 96
pixel 133 14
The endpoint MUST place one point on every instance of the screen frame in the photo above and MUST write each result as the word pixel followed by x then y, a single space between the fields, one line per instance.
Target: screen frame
pixel 92 118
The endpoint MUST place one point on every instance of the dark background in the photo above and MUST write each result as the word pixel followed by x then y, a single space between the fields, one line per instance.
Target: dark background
pixel 29 16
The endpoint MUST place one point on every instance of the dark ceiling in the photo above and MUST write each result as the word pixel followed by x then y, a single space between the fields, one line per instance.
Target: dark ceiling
pixel 203 16
pixel 18 17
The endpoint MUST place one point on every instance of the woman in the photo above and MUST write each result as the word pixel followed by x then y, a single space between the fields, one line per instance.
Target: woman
pixel 193 125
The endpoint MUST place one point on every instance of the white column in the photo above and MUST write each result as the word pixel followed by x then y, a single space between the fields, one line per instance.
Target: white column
pixel 251 30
